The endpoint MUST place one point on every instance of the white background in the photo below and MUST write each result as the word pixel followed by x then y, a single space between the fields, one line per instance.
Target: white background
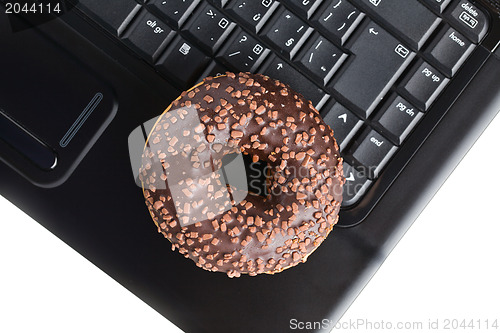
pixel 446 267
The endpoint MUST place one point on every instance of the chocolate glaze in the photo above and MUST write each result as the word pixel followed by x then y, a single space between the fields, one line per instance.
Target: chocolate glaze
pixel 266 119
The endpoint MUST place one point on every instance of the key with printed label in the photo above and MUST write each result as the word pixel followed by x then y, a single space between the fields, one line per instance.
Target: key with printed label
pixel 378 61
pixel 287 33
pixel 243 53
pixel 148 36
pixel 423 85
pixel 305 8
pixel 356 185
pixel 469 19
pixel 321 59
pixel 253 13
pixel 449 50
pixel 372 152
pixel 282 71
pixel 343 122
pixel 413 20
pixel 397 119
pixel 338 19
pixel 175 11
pixel 182 62
pixel 210 27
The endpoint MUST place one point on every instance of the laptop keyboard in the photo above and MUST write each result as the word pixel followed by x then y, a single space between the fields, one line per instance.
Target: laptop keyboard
pixel 373 68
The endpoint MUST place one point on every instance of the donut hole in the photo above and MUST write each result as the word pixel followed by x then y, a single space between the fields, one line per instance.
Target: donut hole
pixel 257 174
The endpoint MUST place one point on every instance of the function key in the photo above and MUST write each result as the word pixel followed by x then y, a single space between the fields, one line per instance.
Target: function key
pixel 412 19
pixel 182 62
pixel 305 8
pixel 356 185
pixel 423 85
pixel 397 118
pixel 372 152
pixel 450 49
pixel 282 71
pixel 210 27
pixel 148 36
pixel 437 5
pixel 337 19
pixel 469 19
pixel 113 15
pixel 343 122
pixel 253 13
pixel 175 11
pixel 244 53
pixel 321 59
pixel 288 33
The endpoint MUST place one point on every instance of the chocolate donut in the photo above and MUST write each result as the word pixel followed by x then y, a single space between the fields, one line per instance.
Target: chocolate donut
pixel 224 228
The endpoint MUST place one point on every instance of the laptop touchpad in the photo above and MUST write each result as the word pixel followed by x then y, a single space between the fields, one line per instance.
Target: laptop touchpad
pixel 52 107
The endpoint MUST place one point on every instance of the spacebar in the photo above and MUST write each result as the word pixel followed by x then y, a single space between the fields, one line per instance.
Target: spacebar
pixel 379 59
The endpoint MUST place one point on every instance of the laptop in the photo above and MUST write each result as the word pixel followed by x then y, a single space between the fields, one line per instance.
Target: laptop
pixel 398 94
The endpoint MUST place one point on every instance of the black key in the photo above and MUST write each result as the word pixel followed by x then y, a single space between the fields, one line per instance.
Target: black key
pixel 378 62
pixel 210 27
pixel 148 36
pixel 412 19
pixel 343 122
pixel 450 50
pixel 338 19
pixel 321 60
pixel 397 119
pixel 113 15
pixel 424 85
pixel 280 70
pixel 175 11
pixel 182 62
pixel 244 53
pixel 214 69
pixel 253 13
pixel 304 8
pixel 438 5
pixel 373 152
pixel 288 33
pixel 356 185
pixel 219 3
pixel 469 19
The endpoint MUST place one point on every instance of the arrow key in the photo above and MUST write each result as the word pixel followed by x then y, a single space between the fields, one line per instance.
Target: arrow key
pixel 355 187
pixel 344 123
pixel 282 71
